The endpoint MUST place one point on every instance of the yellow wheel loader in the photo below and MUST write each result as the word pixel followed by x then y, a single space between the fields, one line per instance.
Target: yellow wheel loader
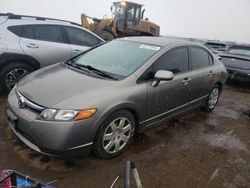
pixel 127 21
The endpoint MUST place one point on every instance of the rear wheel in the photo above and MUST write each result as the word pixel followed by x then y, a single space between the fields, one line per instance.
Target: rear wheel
pixel 114 135
pixel 105 35
pixel 212 99
pixel 11 73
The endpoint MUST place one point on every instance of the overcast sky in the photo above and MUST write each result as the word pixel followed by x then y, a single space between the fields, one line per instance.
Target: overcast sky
pixel 210 19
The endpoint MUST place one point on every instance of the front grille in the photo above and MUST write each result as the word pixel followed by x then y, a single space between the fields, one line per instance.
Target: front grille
pixel 25 103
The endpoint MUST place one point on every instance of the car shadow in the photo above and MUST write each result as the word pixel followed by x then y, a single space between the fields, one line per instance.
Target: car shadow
pixel 3 93
pixel 242 86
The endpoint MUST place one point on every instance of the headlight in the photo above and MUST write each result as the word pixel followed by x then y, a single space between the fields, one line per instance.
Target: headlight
pixel 66 115
pixel 48 114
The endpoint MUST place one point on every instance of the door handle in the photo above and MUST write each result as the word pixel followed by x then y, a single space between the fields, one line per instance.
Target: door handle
pixel 31 45
pixel 186 81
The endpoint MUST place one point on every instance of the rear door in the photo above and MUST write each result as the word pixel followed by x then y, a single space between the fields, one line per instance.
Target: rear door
pixel 203 73
pixel 80 40
pixel 45 43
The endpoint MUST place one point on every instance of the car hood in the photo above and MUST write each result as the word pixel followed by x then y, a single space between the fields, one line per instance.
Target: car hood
pixel 52 85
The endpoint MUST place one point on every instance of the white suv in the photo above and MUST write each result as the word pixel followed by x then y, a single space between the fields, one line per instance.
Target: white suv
pixel 28 43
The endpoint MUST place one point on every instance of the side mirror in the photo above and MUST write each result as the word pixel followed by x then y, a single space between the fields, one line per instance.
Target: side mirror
pixel 162 75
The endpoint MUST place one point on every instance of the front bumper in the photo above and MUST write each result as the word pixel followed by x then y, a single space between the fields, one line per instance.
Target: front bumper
pixel 55 138
pixel 243 76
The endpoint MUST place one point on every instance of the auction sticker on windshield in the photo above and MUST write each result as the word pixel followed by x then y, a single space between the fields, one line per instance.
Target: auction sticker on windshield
pixel 149 47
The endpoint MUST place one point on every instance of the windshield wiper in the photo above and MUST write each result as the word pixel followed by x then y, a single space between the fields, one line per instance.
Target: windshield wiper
pixel 84 67
pixel 72 64
pixel 97 71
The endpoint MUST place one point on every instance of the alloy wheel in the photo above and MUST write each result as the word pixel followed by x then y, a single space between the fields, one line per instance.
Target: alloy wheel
pixel 213 98
pixel 117 135
pixel 14 76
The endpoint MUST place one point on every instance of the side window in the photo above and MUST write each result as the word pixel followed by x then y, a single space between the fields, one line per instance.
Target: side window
pixel 81 37
pixel 199 58
pixel 17 30
pixel 119 12
pixel 137 14
pixel 131 13
pixel 27 32
pixel 49 33
pixel 175 60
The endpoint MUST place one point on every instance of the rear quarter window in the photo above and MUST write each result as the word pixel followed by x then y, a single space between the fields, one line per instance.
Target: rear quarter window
pixel 17 30
pixel 199 58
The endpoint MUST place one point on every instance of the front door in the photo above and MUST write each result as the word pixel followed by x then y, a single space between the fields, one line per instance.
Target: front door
pixel 169 97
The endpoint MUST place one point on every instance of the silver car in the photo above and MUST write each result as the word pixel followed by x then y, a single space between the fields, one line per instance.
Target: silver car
pixel 28 43
pixel 98 100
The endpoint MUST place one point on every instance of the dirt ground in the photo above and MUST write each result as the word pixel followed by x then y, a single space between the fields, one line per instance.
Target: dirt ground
pixel 198 150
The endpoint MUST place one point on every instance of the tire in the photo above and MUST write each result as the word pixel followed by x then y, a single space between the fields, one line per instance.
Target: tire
pixel 212 99
pixel 105 35
pixel 11 73
pixel 111 140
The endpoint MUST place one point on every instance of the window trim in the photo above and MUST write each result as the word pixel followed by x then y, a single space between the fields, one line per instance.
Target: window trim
pixel 211 63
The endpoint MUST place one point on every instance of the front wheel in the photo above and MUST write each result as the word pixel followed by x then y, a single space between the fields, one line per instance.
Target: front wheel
pixel 12 72
pixel 212 99
pixel 114 135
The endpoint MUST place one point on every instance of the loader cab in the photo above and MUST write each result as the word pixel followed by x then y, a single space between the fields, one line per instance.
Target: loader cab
pixel 127 15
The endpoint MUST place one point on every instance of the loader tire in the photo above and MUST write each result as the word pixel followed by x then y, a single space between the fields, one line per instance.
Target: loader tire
pixel 105 35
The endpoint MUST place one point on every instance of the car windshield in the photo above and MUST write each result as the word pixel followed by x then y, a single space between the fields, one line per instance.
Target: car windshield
pixel 117 57
pixel 240 51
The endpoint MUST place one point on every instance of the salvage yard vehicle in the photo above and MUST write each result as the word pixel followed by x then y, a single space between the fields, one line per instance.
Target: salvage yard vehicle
pixel 28 43
pixel 216 46
pixel 237 62
pixel 128 20
pixel 99 99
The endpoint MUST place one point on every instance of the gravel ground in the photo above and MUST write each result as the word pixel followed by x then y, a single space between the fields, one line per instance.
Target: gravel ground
pixel 197 150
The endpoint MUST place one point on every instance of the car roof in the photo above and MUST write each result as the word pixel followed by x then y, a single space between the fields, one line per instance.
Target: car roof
pixel 159 41
pixel 11 16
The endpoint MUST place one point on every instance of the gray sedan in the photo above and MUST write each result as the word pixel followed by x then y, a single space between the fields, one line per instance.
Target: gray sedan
pixel 98 100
